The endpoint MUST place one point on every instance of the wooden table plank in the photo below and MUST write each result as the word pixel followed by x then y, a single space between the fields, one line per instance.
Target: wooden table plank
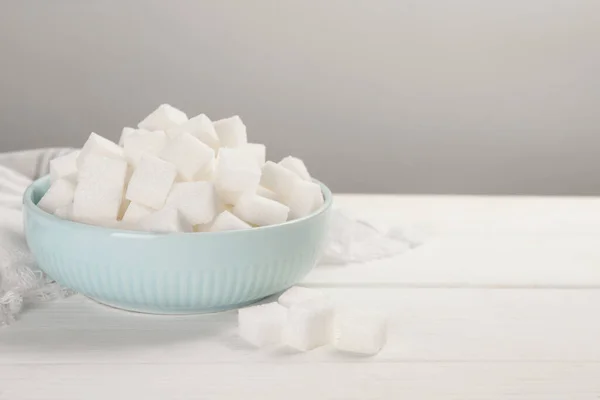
pixel 426 325
pixel 479 214
pixel 352 380
pixel 478 261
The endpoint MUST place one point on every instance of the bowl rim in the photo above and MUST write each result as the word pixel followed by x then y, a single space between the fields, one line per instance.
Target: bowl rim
pixel 33 208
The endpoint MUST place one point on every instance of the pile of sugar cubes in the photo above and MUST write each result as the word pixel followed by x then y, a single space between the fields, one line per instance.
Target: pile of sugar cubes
pixel 175 174
pixel 305 318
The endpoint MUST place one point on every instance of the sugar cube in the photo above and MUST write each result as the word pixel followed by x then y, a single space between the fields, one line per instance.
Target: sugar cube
pixel 151 182
pixel 359 332
pixel 196 201
pixel 101 146
pixel 262 325
pixel 207 172
pixel 64 212
pixel 124 133
pixel 235 174
pixel 166 220
pixel 201 127
pixel 59 194
pixel 64 167
pixel 135 212
pixel 278 179
pixel 257 151
pixel 226 221
pixel 297 166
pixel 188 154
pixel 309 324
pixel 165 117
pixel 269 194
pixel 299 294
pixel 141 142
pixel 260 211
pixel 231 131
pixel 304 198
pixel 99 190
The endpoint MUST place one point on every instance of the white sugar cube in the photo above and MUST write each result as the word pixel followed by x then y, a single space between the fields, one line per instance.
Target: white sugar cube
pixel 165 117
pixel 304 198
pixel 64 212
pixel 207 172
pixel 309 324
pixel 298 294
pixel 188 154
pixel 235 174
pixel 135 212
pixel 143 142
pixel 100 146
pixel 59 194
pixel 257 151
pixel 231 131
pixel 359 332
pixel 151 182
pixel 278 179
pixel 64 167
pixel 167 220
pixel 269 194
pixel 226 221
pixel 201 127
pixel 260 211
pixel 262 325
pixel 196 201
pixel 124 133
pixel 297 166
pixel 99 190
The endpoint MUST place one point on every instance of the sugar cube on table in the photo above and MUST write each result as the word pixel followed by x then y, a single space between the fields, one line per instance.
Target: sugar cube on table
pixel 305 198
pixel 262 325
pixel 309 324
pixel 143 142
pixel 299 294
pixel 260 211
pixel 100 146
pixel 64 212
pixel 135 212
pixel 201 127
pixel 59 194
pixel 226 221
pixel 257 151
pixel 269 194
pixel 196 201
pixel 278 179
pixel 166 220
pixel 297 166
pixel 64 167
pixel 188 154
pixel 235 174
pixel 359 332
pixel 165 117
pixel 124 133
pixel 151 182
pixel 99 190
pixel 231 131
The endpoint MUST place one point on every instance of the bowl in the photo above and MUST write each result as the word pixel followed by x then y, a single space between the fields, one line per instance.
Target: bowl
pixel 176 273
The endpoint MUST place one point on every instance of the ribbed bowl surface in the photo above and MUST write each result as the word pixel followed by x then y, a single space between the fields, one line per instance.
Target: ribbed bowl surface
pixel 179 273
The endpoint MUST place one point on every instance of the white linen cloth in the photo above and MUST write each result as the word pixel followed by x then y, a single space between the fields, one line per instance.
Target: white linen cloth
pixel 21 282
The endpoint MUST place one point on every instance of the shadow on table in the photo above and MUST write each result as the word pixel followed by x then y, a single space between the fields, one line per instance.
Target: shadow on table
pixel 78 323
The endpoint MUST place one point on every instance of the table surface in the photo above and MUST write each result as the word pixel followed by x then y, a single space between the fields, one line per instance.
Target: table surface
pixel 501 302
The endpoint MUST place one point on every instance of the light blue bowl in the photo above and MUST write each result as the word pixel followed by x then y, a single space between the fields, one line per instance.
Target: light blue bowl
pixel 179 273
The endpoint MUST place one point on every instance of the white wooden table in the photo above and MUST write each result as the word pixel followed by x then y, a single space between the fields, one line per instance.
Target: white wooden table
pixel 502 302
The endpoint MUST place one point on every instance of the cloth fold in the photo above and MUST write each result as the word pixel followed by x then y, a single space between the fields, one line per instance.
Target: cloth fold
pixel 22 282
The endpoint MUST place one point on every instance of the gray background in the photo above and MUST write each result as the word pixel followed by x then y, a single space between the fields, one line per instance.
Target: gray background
pixel 427 96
